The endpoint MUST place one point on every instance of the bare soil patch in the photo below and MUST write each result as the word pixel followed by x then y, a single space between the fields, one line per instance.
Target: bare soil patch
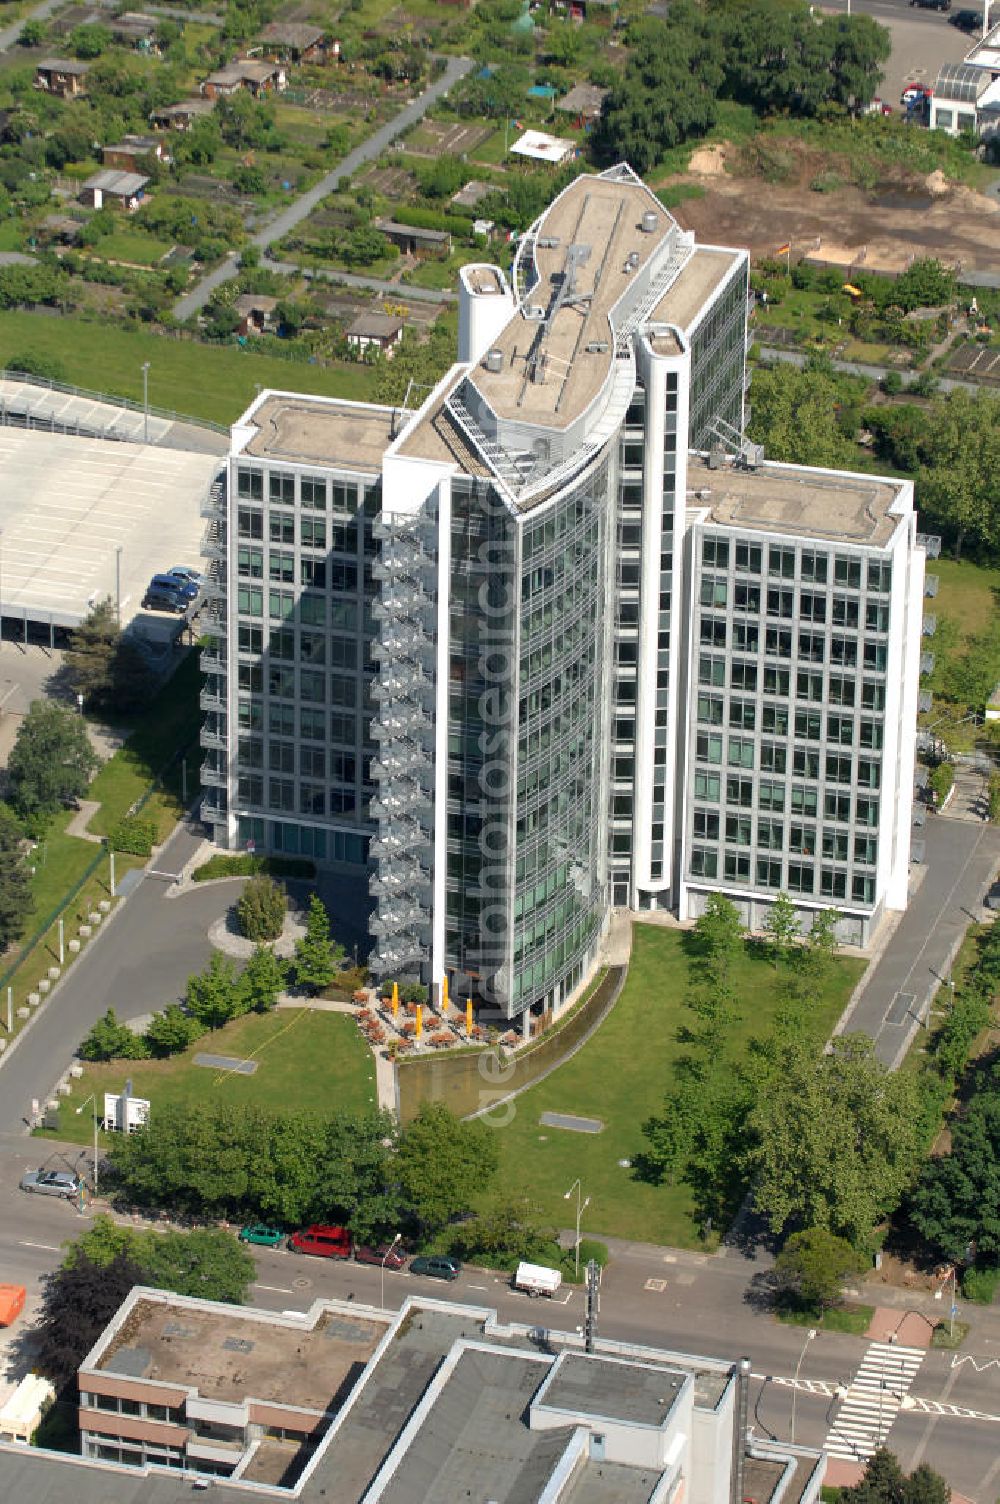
pixel 908 215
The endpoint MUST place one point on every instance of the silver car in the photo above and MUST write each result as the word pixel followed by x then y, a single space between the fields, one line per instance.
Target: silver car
pixel 51 1183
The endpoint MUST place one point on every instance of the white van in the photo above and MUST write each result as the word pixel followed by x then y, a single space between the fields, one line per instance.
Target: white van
pixel 537 1279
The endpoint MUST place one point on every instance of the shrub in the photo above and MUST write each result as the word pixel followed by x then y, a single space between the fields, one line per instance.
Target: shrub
pixel 134 835
pixel 261 909
pixel 247 866
pixel 171 1031
pixel 980 1285
pixel 892 383
pixel 47 367
pixel 941 780
pixel 111 1040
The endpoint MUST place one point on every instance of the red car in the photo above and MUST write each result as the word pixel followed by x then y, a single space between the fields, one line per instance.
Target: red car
pixel 325 1242
pixel 391 1257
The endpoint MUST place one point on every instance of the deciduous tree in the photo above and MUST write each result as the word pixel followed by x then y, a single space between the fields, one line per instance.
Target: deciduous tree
pixel 782 924
pixel 444 1164
pixel 813 1266
pixel 51 761
pixel 15 880
pixel 213 995
pixel 835 1140
pixel 79 1301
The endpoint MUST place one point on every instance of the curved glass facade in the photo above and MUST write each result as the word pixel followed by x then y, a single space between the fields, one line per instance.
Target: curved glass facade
pixel 561 884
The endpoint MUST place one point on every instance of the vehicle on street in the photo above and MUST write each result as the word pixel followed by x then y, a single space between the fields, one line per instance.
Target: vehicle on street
pixel 537 1279
pixel 188 575
pixel 51 1183
pixel 967 20
pixel 915 94
pixel 932 4
pixel 436 1266
pixel 365 1253
pixel 992 899
pixel 165 594
pixel 262 1235
pixel 325 1242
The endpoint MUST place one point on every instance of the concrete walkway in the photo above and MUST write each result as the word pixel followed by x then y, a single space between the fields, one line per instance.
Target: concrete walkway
pixel 400 291
pixel 78 825
pixel 455 68
pixel 872 373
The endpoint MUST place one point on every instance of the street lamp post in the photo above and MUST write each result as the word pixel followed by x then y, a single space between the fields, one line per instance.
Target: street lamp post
pixel 810 1334
pixel 580 1208
pixel 145 402
pixel 92 1098
pixel 118 583
pixel 391 1246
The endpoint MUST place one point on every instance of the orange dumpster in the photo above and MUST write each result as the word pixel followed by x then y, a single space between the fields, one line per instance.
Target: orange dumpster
pixel 11 1303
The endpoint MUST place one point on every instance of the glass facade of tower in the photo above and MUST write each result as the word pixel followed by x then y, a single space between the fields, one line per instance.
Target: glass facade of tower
pixel 561 890
pixel 718 360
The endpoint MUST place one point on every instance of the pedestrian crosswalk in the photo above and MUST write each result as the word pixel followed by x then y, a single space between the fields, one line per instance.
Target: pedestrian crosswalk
pixel 873 1400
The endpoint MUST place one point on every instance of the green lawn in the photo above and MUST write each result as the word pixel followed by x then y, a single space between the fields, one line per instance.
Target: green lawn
pixel 132 246
pixel 620 1076
pixel 853 1319
pixel 314 1061
pixel 204 381
pixel 965 606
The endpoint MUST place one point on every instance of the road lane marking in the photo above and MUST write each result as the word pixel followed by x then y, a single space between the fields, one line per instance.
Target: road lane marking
pixel 477 1287
pixel 278 1289
pixel 48 1247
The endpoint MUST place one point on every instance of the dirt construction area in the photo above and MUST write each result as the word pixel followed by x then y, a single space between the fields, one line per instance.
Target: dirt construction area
pixel 879 231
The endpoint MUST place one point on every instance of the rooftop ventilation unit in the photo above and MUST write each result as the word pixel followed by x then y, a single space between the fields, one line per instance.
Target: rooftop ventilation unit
pixel 538 369
pixel 597 347
pixel 535 312
pixel 632 262
pixel 494 361
pixel 649 222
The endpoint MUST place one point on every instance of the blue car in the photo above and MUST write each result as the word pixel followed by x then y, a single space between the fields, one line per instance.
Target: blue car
pixel 174 581
pixel 186 575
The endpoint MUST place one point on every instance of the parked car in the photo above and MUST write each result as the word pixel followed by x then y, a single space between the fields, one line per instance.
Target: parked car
pixel 436 1266
pixel 932 4
pixel 187 587
pixel 187 574
pixel 165 594
pixel 967 20
pixel 915 94
pixel 51 1183
pixel 324 1242
pixel 391 1257
pixel 261 1234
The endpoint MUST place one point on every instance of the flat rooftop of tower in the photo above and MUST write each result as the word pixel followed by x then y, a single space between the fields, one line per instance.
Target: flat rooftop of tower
pixel 786 499
pixel 231 1356
pixel 697 281
pixel 605 216
pixel 319 431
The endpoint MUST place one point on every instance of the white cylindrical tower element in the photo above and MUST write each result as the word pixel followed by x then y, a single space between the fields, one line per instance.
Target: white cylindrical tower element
pixel 485 306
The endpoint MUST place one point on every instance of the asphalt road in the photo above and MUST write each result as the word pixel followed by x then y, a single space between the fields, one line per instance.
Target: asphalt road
pixel 376 143
pixel 152 946
pixel 962 858
pixel 696 1305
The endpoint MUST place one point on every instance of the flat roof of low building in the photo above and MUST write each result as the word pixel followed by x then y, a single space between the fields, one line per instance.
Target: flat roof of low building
pixel 309 430
pixel 235 1355
pixel 609 1389
pixel 583 99
pixel 610 1483
pixel 787 499
pixel 541 147
pixel 293 33
pixel 376 326
pixel 68 503
pixel 61 65
pixel 112 180
pixel 706 270
pixel 415 232
pixel 183 107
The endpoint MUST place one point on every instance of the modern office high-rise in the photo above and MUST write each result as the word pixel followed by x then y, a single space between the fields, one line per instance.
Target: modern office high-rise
pixel 587 647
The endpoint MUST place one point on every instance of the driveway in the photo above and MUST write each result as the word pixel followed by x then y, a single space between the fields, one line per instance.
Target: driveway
pixel 961 860
pixel 456 68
